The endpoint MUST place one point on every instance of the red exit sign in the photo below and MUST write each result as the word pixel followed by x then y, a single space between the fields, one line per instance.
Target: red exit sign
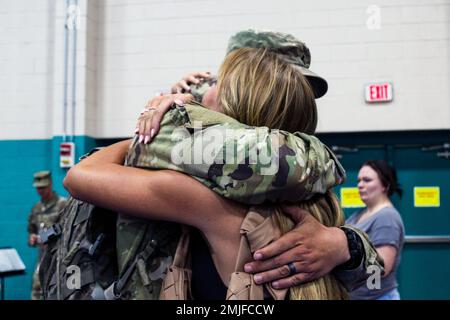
pixel 379 92
pixel 65 149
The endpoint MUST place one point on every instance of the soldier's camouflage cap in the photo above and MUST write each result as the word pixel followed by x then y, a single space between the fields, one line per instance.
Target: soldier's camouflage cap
pixel 42 179
pixel 286 45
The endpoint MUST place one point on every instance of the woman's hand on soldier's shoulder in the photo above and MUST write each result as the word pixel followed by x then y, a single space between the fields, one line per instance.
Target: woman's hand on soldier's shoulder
pixel 311 249
pixel 150 118
pixel 183 85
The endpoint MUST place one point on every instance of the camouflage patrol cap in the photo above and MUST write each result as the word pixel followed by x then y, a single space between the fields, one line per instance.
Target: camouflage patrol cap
pixel 42 179
pixel 284 44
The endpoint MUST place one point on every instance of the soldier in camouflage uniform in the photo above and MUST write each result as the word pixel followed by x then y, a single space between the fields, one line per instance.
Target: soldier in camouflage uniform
pixel 297 53
pixel 43 215
pixel 306 165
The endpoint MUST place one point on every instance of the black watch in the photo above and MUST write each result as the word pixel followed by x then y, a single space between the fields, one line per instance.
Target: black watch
pixel 355 247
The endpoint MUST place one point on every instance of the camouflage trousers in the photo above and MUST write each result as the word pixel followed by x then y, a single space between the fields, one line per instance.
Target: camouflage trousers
pixel 36 290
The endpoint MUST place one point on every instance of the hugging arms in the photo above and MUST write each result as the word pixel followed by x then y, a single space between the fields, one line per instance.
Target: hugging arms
pixel 303 168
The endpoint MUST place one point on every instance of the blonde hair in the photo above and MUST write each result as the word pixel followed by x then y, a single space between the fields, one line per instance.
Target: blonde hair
pixel 326 209
pixel 259 88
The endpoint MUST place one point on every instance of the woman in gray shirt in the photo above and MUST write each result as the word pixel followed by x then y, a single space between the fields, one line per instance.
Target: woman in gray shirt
pixel 377 181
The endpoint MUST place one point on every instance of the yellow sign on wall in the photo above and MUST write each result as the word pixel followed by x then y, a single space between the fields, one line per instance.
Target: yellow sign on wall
pixel 350 198
pixel 426 197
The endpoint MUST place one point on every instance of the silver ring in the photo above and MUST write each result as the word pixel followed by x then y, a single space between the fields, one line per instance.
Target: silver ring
pixel 292 269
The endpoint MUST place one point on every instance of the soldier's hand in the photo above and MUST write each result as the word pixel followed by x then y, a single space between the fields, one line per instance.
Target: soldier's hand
pixel 183 85
pixel 313 248
pixel 150 119
pixel 33 240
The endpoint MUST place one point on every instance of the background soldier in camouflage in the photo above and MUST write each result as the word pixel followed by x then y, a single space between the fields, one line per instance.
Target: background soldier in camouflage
pixel 43 215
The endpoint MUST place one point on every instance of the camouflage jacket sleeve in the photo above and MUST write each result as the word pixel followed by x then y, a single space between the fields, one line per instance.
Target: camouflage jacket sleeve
pixel 199 90
pixel 372 262
pixel 247 164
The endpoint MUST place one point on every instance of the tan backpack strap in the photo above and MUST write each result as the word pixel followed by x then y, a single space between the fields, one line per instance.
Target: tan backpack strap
pixel 177 283
pixel 257 230
pixel 242 287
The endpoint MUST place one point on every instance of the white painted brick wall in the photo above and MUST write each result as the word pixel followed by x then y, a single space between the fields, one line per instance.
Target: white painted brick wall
pixel 413 34
pixel 129 49
pixel 25 102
